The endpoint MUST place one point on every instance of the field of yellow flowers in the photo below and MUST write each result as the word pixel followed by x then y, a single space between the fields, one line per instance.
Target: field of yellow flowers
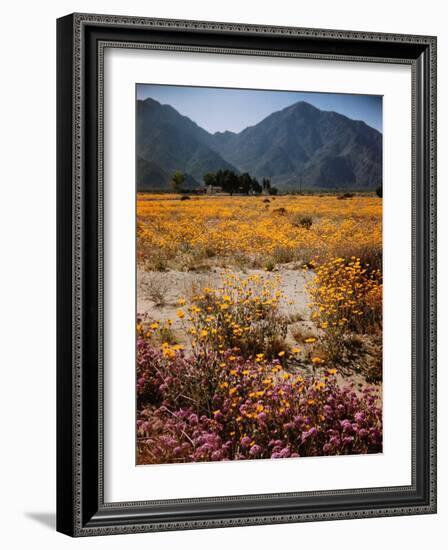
pixel 255 231
pixel 259 328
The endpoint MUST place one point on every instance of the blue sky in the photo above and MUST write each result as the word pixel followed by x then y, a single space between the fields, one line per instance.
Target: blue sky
pixel 220 109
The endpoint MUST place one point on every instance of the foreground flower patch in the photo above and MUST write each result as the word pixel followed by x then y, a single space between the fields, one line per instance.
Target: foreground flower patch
pixel 220 406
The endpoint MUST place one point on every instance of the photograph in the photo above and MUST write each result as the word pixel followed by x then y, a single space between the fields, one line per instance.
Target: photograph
pixel 259 274
pixel 246 273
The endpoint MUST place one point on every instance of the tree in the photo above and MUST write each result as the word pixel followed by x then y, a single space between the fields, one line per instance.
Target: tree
pixel 248 184
pixel 228 181
pixel 266 185
pixel 273 190
pixel 219 178
pixel 379 191
pixel 176 181
pixel 209 179
pixel 256 187
pixel 245 183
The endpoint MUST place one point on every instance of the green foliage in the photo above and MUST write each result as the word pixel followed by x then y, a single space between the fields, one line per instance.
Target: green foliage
pixel 209 178
pixel 266 184
pixel 177 181
pixel 231 183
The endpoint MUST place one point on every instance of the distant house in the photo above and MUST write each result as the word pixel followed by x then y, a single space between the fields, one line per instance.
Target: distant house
pixel 213 189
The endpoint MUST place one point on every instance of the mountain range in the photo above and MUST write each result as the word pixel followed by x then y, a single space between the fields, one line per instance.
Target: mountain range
pixel 298 146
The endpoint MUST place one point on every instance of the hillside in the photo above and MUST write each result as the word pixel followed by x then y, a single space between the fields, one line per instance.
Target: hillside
pixel 297 146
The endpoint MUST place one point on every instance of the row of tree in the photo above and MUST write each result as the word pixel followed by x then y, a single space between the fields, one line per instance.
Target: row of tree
pixel 229 182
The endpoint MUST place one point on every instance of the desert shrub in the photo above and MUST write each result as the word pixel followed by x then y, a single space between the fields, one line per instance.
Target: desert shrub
pixel 379 191
pixel 346 297
pixel 185 198
pixel 283 255
pixel 243 314
pixel 295 317
pixel 300 334
pixel 302 221
pixel 346 294
pixel 154 260
pixel 198 267
pixel 281 211
pixel 166 377
pixel 154 287
pixel 193 259
pixel 246 409
pixel 374 371
pixel 167 335
pixel 370 257
pixel 210 251
pixel 346 196
pixel 156 331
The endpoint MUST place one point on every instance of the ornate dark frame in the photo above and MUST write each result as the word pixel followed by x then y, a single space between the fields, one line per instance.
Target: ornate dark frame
pixel 81 39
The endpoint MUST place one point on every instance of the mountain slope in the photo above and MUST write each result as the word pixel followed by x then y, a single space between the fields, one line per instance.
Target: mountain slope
pixel 301 142
pixel 166 142
pixel 299 145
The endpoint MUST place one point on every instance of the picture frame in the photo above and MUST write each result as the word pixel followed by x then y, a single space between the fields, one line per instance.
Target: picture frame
pixel 81 506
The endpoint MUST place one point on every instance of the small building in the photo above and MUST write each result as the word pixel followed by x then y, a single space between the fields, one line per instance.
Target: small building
pixel 213 189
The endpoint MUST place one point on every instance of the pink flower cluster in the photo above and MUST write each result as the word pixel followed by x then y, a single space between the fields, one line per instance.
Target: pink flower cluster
pixel 224 407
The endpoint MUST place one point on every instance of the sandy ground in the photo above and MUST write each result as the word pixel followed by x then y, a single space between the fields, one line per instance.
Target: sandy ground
pixel 174 285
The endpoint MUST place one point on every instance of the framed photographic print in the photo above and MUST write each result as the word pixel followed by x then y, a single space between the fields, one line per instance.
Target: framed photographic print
pixel 246 274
